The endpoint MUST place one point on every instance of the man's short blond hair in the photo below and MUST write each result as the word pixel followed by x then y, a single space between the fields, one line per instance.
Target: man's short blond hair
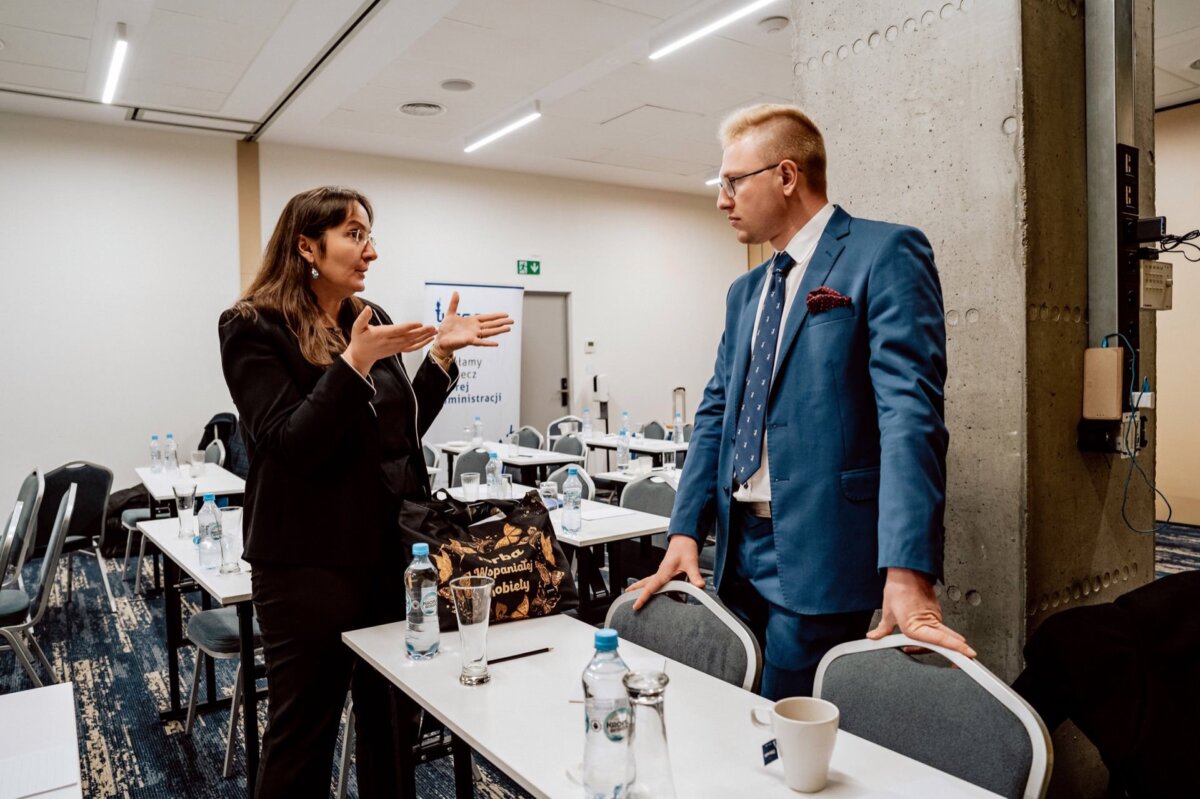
pixel 787 133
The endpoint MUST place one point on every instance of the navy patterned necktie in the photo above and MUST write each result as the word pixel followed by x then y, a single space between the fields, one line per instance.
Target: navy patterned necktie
pixel 747 445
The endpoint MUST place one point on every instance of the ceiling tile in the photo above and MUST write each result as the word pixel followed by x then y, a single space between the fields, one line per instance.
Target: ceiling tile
pixel 396 125
pixel 133 91
pixel 42 78
pixel 1173 16
pixel 660 9
pixel 646 163
pixel 256 13
pixel 1167 83
pixel 155 65
pixel 42 49
pixel 66 17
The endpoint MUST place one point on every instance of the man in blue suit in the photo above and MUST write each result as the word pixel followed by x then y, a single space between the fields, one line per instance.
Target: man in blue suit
pixel 819 449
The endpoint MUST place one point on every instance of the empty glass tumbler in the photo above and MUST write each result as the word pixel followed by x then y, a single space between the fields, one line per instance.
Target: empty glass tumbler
pixel 473 605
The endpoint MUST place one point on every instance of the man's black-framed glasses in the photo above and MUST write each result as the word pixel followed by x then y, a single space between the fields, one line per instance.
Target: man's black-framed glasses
pixel 727 183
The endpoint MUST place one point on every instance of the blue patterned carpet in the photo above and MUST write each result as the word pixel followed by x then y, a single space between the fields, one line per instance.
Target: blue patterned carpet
pixel 119 666
pixel 1177 549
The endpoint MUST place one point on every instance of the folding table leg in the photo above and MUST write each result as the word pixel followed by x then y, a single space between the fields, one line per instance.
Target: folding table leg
pixel 464 777
pixel 245 613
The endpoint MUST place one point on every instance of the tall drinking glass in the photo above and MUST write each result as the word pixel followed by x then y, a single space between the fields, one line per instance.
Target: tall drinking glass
pixel 231 539
pixel 473 604
pixel 470 486
pixel 549 492
pixel 506 486
pixel 651 761
pixel 185 508
pixel 668 459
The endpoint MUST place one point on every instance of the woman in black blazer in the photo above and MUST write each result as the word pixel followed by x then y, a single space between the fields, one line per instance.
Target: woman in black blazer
pixel 333 426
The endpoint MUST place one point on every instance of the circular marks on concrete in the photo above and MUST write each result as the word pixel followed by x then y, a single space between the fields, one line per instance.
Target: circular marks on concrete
pixel 947 11
pixel 910 25
pixel 891 33
pixel 843 52
pixel 952 318
pixel 974 598
pixel 966 5
pixel 827 58
pixel 927 19
pixel 874 39
pixel 859 46
pixel 972 316
pixel 1009 125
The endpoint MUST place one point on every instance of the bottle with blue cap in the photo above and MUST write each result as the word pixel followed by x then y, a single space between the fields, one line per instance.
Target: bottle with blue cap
pixel 572 516
pixel 208 530
pixel 607 758
pixel 420 588
pixel 156 456
pixel 493 471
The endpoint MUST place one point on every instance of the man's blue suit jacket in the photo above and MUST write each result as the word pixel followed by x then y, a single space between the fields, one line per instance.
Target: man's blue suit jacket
pixel 856 435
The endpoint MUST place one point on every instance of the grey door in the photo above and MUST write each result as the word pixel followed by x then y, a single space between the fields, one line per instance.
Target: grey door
pixel 545 361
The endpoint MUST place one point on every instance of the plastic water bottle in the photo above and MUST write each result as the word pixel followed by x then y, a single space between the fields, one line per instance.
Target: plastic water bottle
pixel 208 528
pixel 420 587
pixel 477 438
pixel 170 454
pixel 623 444
pixel 607 760
pixel 156 456
pixel 677 429
pixel 587 422
pixel 492 470
pixel 572 517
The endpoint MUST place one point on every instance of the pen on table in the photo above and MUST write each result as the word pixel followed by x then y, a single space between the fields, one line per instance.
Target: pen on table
pixel 520 655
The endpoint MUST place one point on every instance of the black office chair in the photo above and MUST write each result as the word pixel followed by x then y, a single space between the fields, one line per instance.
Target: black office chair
pixel 86 534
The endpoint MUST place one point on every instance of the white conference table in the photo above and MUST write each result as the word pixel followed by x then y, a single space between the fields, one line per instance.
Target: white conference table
pixel 650 446
pixel 626 478
pixel 714 749
pixel 227 589
pixel 520 457
pixel 39 743
pixel 215 480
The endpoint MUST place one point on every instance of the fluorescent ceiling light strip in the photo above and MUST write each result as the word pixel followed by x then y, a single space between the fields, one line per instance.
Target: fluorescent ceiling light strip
pixel 709 28
pixel 114 68
pixel 504 131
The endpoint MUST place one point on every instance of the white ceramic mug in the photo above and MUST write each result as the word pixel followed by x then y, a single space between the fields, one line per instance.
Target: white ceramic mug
pixel 805 731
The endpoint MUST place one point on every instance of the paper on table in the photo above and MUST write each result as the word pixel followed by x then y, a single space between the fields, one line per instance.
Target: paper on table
pixel 634 662
pixel 592 513
pixel 38 772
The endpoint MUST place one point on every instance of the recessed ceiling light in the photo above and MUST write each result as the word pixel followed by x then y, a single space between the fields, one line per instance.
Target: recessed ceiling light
pixel 458 85
pixel 421 109
pixel 1194 65
pixel 773 24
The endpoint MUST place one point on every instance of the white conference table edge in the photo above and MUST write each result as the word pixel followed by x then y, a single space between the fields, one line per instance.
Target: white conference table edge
pixel 226 589
pixel 383 645
pixel 44 697
pixel 221 482
pixel 609 441
pixel 526 456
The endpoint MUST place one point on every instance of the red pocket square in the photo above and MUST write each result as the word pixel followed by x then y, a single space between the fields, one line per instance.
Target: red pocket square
pixel 825 299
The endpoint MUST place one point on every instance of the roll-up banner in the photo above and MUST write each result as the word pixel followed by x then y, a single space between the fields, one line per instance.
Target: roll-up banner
pixel 489 382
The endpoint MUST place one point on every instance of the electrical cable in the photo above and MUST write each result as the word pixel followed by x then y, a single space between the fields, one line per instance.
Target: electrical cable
pixel 1130 445
pixel 1171 243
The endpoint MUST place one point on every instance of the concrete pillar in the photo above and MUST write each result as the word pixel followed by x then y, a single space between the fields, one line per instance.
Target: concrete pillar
pixel 967 120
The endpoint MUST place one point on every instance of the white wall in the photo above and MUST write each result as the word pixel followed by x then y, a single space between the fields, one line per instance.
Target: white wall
pixel 1177 156
pixel 647 271
pixel 120 250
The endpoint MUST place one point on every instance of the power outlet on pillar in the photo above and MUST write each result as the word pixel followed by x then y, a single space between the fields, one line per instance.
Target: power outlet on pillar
pixel 1133 434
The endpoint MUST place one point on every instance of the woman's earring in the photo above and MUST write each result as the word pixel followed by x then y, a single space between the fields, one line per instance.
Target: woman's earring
pixel 315 273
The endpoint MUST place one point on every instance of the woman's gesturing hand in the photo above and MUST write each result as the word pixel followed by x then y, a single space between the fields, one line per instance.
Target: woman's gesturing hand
pixel 369 343
pixel 457 331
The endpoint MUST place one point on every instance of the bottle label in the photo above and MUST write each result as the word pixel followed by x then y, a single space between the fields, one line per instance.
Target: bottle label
pixel 429 602
pixel 614 724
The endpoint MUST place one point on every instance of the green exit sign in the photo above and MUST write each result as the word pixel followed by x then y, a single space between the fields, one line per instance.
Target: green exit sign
pixel 529 267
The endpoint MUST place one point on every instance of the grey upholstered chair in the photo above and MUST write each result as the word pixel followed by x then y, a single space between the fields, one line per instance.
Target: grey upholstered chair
pixel 559 476
pixel 215 633
pixel 650 494
pixel 699 632
pixel 86 533
pixel 430 454
pixel 570 444
pixel 215 452
pixel 654 430
pixel 33 487
pixel 19 613
pixel 530 436
pixel 473 460
pixel 964 720
pixel 573 424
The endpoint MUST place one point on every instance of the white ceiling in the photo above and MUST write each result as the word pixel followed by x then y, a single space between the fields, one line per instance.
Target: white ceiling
pixel 610 114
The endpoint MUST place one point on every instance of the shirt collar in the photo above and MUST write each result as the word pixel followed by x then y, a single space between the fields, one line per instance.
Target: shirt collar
pixel 805 241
